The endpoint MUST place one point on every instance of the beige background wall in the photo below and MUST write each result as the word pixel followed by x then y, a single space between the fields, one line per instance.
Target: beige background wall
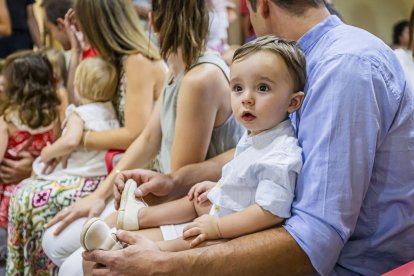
pixel 375 16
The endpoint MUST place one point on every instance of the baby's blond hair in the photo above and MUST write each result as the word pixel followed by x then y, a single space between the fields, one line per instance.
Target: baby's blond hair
pixel 96 79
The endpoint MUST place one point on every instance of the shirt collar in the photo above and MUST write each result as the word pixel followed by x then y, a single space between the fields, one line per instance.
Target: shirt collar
pixel 269 135
pixel 313 35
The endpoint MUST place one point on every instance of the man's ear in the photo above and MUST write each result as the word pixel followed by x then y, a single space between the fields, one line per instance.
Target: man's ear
pixel 263 8
pixel 60 23
pixel 296 101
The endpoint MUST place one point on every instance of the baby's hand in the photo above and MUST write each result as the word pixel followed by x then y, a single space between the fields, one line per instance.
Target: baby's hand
pixel 200 190
pixel 203 228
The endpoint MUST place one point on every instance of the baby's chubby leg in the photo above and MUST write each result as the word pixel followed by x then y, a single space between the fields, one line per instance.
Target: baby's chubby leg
pixel 134 214
pixel 174 212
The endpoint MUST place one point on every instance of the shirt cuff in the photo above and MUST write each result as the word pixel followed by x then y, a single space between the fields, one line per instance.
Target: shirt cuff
pixel 320 241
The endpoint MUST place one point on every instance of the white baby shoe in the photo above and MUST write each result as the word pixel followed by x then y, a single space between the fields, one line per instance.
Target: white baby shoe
pixel 96 234
pixel 129 207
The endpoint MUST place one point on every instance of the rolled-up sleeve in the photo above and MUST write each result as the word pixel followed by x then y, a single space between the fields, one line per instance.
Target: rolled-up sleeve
pixel 339 129
pixel 277 180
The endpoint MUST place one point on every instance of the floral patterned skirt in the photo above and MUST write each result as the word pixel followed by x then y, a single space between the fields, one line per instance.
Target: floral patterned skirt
pixel 33 204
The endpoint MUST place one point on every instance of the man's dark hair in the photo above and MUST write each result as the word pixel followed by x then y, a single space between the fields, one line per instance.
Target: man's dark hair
pixel 398 30
pixel 296 7
pixel 55 9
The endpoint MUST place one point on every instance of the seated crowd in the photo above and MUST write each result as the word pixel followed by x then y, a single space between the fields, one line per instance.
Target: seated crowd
pixel 153 152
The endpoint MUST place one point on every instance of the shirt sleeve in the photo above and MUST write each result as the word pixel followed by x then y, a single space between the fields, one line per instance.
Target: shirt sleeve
pixel 275 190
pixel 345 99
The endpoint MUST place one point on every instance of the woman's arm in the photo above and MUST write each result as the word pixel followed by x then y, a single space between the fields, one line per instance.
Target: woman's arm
pixel 141 76
pixel 5 24
pixel 67 143
pixel 4 134
pixel 199 101
pixel 33 26
pixel 139 154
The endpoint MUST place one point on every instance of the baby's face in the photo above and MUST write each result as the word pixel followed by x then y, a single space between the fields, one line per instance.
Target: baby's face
pixel 261 91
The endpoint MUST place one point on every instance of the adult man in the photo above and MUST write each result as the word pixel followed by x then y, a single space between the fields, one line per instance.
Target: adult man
pixel 54 12
pixel 354 198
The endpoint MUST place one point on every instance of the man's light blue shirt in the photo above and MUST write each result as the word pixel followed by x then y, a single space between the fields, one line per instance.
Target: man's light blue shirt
pixel 354 206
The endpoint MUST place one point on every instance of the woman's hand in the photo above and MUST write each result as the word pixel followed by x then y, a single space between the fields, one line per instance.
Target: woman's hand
pixel 200 190
pixel 89 206
pixel 14 171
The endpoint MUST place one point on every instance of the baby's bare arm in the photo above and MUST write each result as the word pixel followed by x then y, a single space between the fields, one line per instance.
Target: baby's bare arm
pixel 252 219
pixel 68 142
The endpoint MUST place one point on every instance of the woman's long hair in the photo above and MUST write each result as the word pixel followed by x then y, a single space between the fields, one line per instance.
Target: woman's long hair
pixel 181 24
pixel 29 90
pixel 113 28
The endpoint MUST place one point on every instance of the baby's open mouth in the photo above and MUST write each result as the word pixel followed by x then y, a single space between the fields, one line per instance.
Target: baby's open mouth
pixel 247 116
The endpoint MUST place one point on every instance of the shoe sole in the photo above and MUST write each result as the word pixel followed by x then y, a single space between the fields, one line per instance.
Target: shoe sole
pixel 130 184
pixel 85 230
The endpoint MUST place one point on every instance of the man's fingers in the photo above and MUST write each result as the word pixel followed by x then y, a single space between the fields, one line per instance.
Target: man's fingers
pixel 101 271
pixel 134 174
pixel 145 189
pixel 127 237
pixel 97 256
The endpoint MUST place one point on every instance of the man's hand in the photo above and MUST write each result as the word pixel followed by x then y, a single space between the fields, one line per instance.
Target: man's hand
pixel 76 38
pixel 200 190
pixel 204 228
pixel 14 171
pixel 149 182
pixel 140 257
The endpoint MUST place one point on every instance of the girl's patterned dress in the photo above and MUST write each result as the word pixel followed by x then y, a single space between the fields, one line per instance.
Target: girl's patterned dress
pixel 33 142
pixel 35 202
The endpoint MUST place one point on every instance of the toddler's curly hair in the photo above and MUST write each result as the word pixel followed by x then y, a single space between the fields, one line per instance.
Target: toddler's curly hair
pixel 29 90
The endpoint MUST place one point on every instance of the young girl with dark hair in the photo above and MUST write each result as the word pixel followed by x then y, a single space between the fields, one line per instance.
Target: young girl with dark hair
pixel 29 117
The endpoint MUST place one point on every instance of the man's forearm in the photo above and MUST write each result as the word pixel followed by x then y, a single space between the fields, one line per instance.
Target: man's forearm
pixel 271 252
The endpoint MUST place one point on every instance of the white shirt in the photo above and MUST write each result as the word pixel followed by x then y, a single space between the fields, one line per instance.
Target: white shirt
pixel 405 57
pixel 263 172
pixel 81 163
